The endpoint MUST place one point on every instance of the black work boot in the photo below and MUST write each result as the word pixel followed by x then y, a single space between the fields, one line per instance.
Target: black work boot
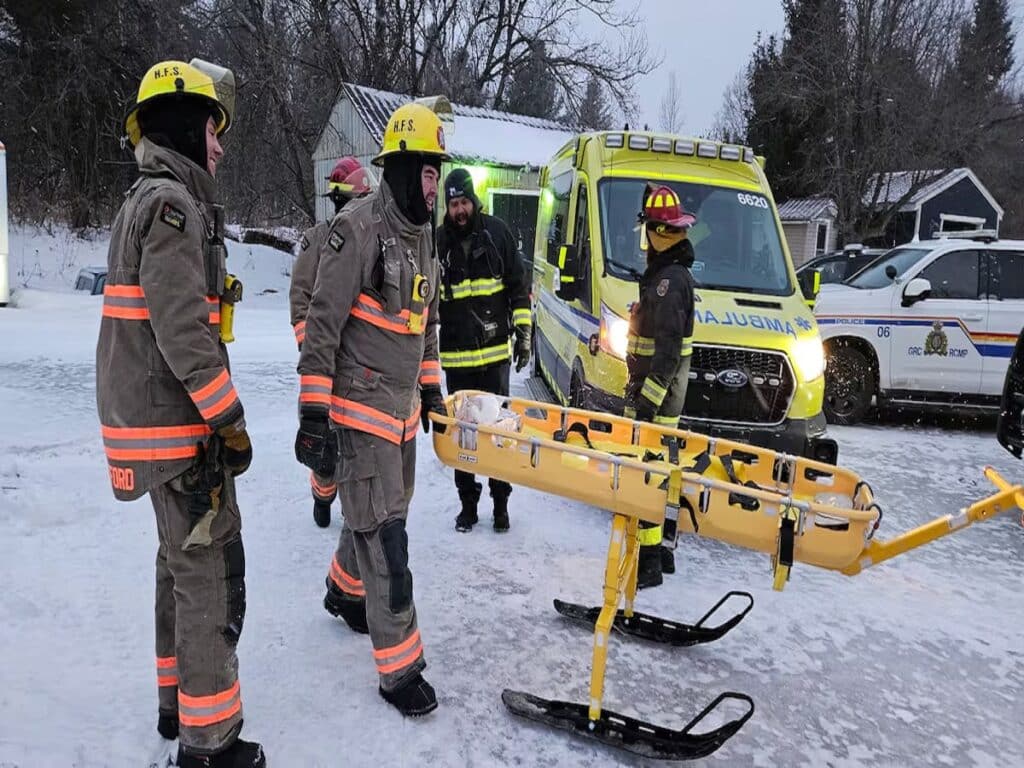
pixel 649 567
pixel 414 697
pixel 351 609
pixel 167 725
pixel 467 517
pixel 322 512
pixel 501 524
pixel 668 560
pixel 241 754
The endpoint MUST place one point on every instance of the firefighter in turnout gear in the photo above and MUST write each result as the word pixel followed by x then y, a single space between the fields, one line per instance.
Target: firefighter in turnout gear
pixel 368 362
pixel 348 181
pixel 485 301
pixel 660 344
pixel 172 422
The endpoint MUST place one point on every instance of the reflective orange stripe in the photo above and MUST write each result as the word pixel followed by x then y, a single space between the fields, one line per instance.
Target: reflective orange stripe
pixel 370 310
pixel 322 490
pixel 152 443
pixel 166 671
pixel 126 291
pixel 198 711
pixel 125 302
pixel 349 413
pixel 404 654
pixel 300 331
pixel 430 372
pixel 213 305
pixel 412 425
pixel 343 581
pixel 315 389
pixel 216 397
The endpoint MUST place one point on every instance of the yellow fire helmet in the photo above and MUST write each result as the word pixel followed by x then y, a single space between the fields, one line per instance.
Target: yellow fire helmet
pixel 197 79
pixel 413 128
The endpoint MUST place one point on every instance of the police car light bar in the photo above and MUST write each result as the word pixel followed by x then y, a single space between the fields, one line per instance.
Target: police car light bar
pixel 968 234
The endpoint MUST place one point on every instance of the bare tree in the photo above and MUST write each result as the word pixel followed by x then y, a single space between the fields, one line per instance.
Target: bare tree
pixel 730 123
pixel 670 113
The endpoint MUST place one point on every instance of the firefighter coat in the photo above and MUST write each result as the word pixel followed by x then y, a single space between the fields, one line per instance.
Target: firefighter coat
pixel 484 293
pixel 304 276
pixel 162 378
pixel 661 326
pixel 371 328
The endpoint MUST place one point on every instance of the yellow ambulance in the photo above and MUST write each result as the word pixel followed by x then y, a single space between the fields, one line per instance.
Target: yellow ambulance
pixel 757 368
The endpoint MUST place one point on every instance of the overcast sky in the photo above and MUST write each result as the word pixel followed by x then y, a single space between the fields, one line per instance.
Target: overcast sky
pixel 707 43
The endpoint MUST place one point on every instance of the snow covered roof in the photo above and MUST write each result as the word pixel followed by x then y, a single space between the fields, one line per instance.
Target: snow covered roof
pixel 897 184
pixel 478 135
pixel 807 209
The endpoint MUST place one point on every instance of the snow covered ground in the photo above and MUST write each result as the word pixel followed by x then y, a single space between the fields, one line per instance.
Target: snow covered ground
pixel 917 662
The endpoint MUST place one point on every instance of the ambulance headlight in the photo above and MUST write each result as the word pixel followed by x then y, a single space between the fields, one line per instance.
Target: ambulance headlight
pixel 613 334
pixel 809 358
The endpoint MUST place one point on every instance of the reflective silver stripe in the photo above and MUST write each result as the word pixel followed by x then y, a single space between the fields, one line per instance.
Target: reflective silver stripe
pixel 149 443
pixel 209 711
pixel 320 389
pixel 343 413
pixel 467 288
pixel 475 357
pixel 653 392
pixel 167 672
pixel 402 660
pixel 222 391
pixel 125 301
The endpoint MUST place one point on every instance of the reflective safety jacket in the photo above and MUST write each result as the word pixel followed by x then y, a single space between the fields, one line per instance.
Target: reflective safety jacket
pixel 304 276
pixel 661 325
pixel 371 329
pixel 483 294
pixel 162 379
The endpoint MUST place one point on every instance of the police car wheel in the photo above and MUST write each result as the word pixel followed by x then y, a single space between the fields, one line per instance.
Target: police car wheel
pixel 849 385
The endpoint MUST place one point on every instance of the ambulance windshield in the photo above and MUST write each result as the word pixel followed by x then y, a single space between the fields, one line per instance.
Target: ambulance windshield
pixel 735 241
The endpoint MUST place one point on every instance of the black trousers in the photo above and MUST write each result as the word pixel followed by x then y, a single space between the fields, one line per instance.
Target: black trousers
pixel 493 379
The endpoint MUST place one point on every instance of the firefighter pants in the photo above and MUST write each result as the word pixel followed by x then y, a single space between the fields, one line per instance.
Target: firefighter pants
pixel 323 487
pixel 493 379
pixel 376 481
pixel 200 607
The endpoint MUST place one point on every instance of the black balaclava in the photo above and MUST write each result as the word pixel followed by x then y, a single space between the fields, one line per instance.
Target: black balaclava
pixel 403 172
pixel 178 124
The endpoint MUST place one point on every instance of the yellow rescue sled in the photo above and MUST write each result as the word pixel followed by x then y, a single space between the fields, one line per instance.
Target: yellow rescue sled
pixel 789 507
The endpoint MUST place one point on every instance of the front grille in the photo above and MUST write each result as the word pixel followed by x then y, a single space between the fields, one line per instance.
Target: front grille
pixel 763 399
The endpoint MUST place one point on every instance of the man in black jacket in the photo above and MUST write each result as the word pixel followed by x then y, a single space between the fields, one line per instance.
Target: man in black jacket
pixel 484 302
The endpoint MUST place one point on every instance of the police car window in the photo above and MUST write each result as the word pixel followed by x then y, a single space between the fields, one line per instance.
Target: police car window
pixel 1008 275
pixel 900 259
pixel 833 271
pixel 737 245
pixel 953 275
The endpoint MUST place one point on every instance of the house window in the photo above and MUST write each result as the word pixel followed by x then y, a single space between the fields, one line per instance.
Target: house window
pixel 822 242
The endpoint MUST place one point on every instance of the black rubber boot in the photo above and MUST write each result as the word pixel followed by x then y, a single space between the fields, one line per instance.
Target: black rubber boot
pixel 351 609
pixel 649 568
pixel 322 512
pixel 467 517
pixel 167 725
pixel 501 524
pixel 668 560
pixel 241 754
pixel 414 697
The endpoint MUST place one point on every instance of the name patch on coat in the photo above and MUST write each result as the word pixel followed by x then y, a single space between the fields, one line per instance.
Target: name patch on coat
pixel 174 217
pixel 336 241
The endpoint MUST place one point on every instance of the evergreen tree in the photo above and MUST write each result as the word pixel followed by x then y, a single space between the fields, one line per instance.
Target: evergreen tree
pixel 594 113
pixel 534 90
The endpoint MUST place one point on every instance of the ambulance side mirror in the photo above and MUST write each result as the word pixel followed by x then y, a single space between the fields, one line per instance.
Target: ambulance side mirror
pixel 916 290
pixel 810 284
pixel 565 258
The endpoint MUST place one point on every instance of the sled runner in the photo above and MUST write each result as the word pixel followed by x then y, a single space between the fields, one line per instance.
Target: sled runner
pixel 794 509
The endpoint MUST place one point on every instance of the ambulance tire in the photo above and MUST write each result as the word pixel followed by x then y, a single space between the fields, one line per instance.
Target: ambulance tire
pixel 577 391
pixel 849 385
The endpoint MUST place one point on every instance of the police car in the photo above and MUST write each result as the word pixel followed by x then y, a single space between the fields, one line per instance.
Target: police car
pixel 932 322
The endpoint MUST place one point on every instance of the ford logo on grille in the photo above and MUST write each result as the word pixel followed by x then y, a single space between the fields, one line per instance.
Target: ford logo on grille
pixel 732 378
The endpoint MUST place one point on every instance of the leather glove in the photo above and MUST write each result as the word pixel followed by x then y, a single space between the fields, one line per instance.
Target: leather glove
pixel 237 451
pixel 432 402
pixel 639 408
pixel 521 350
pixel 315 445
